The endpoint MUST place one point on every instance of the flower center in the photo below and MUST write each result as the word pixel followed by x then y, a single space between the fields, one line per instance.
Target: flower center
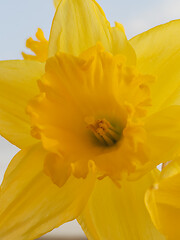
pixel 92 107
pixel 103 131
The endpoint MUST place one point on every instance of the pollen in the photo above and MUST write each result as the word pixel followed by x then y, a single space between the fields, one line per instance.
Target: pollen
pixel 103 131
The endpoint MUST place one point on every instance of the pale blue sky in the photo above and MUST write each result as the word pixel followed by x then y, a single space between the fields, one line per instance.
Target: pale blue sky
pixel 19 19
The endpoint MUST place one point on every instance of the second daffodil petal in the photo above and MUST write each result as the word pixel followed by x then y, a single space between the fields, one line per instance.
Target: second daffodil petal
pixel 163 203
pixel 18 86
pixel 83 27
pixel 31 204
pixel 119 213
pixel 158 53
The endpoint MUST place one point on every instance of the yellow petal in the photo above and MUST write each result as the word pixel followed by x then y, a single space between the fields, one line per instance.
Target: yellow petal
pixel 40 47
pixel 164 133
pixel 56 2
pixel 163 137
pixel 31 204
pixel 18 86
pixel 54 165
pixel 119 213
pixel 120 45
pixel 79 25
pixel 163 201
pixel 158 53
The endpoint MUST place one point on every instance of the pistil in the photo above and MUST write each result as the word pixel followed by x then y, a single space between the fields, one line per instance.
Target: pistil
pixel 103 131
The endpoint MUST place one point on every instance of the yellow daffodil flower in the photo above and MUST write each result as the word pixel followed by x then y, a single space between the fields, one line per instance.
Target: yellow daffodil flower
pixel 163 203
pixel 93 115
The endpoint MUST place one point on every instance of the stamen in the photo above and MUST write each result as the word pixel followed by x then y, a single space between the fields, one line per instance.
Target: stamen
pixel 103 131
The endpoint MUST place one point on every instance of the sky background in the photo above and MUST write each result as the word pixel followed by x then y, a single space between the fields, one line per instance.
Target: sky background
pixel 20 19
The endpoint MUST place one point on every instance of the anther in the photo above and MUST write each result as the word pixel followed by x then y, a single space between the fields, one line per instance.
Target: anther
pixel 103 131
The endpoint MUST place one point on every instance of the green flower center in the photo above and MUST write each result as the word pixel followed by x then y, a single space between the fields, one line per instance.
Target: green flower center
pixel 103 131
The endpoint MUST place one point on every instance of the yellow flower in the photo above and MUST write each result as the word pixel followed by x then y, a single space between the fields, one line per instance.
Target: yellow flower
pixel 40 47
pixel 163 203
pixel 93 115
